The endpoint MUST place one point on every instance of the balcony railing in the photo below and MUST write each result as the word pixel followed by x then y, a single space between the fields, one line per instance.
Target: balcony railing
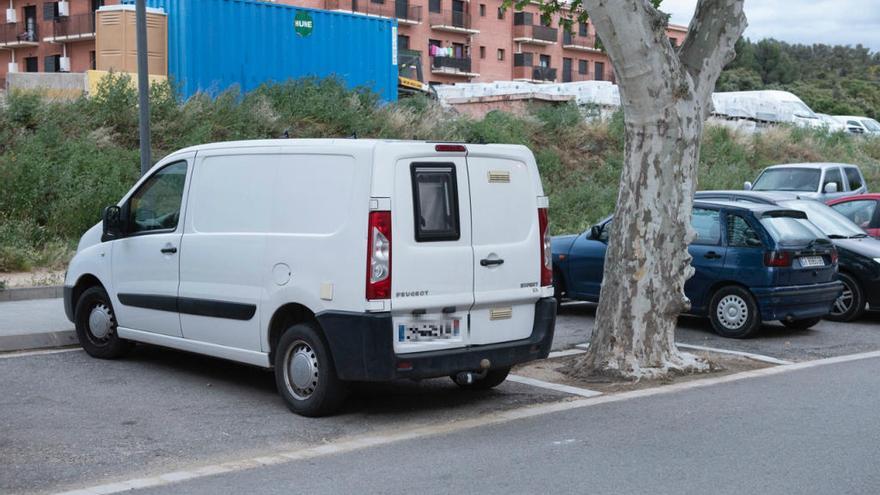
pixel 451 20
pixel 542 35
pixel 80 26
pixel 13 35
pixel 577 42
pixel 537 73
pixel 451 64
pixel 392 9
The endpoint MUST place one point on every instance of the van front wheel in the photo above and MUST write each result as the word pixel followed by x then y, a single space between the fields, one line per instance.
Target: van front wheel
pixel 95 324
pixel 305 374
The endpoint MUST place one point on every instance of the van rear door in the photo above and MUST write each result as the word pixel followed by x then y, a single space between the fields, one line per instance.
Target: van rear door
pixel 431 255
pixel 507 247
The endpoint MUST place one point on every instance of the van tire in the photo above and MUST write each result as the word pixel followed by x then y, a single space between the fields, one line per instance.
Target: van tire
pixel 734 312
pixel 856 306
pixel 305 373
pixel 801 324
pixel 95 323
pixel 493 378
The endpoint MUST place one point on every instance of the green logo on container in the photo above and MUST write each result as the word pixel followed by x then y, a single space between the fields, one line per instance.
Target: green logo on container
pixel 302 23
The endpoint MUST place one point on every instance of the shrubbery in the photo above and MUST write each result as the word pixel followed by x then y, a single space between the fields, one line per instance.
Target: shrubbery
pixel 61 162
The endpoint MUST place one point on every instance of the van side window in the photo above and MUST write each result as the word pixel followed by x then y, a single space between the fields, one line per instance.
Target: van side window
pixel 156 205
pixel 740 233
pixel 833 175
pixel 854 178
pixel 707 225
pixel 435 200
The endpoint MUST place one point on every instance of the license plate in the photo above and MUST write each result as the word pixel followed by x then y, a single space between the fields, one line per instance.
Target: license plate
pixel 428 330
pixel 811 261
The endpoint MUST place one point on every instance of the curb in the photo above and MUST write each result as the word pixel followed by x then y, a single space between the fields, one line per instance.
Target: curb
pixel 44 340
pixel 26 293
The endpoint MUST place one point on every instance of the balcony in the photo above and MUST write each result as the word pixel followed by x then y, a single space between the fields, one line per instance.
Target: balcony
pixel 452 66
pixel 534 74
pixel 17 36
pixel 72 28
pixel 390 9
pixel 535 34
pixel 571 41
pixel 452 21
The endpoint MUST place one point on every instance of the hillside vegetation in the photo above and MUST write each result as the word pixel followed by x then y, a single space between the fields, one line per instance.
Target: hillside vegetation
pixel 61 162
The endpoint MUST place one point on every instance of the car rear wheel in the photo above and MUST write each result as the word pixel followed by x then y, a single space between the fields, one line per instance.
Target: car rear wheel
pixel 305 374
pixel 95 324
pixel 801 324
pixel 850 305
pixel 734 313
pixel 493 378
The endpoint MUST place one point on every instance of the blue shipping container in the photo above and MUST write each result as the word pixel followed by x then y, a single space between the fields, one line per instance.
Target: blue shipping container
pixel 215 44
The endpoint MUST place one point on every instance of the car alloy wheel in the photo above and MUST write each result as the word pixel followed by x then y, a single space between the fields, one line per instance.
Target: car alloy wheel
pixel 732 312
pixel 843 303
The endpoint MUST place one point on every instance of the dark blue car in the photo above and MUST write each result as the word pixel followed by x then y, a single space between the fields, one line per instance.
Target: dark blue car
pixel 753 263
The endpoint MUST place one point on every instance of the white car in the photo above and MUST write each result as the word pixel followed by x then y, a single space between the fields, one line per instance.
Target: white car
pixel 859 125
pixel 830 123
pixel 328 260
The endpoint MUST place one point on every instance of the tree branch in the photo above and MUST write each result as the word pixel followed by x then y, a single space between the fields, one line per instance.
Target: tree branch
pixel 709 46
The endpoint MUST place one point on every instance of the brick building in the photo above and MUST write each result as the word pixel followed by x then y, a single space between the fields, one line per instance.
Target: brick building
pixel 452 40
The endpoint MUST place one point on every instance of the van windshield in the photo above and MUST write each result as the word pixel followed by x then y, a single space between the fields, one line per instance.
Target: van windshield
pixel 789 179
pixel 790 230
pixel 871 124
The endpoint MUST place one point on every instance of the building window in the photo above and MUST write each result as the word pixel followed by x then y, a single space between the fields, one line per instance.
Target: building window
pixel 522 59
pixel 31 64
pixel 482 10
pixel 582 29
pixel 52 63
pixel 93 60
pixel 599 73
pixel 583 67
pixel 458 50
pixel 500 54
pixel 377 1
pixel 434 5
pixel 402 42
pixel 501 12
pixel 545 61
pixel 50 11
pixel 522 18
pixel 482 52
pixel 674 41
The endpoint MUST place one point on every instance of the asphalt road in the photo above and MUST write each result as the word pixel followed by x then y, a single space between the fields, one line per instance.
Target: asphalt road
pixel 807 431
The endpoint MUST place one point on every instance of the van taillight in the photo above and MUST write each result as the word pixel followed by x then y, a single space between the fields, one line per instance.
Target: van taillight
pixel 779 259
pixel 546 253
pixel 379 255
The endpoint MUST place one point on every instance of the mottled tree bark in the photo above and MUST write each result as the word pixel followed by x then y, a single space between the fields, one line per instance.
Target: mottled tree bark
pixel 666 97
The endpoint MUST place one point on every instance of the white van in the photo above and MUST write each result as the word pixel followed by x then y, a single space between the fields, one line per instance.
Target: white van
pixel 329 260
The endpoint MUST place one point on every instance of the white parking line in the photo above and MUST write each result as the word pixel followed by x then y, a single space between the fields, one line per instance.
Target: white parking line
pixel 750 355
pixel 38 353
pixel 565 353
pixel 583 392
pixel 378 439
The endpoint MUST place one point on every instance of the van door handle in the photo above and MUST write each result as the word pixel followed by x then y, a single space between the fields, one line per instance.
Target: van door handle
pixel 169 250
pixel 488 262
pixel 712 255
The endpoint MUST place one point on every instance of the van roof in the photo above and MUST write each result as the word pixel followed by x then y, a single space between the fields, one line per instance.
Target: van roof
pixel 335 143
pixel 819 165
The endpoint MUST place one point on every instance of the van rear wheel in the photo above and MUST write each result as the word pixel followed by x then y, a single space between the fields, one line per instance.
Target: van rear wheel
pixel 493 378
pixel 305 373
pixel 734 313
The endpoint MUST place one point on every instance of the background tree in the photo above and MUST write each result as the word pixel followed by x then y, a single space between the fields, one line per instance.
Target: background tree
pixel 665 94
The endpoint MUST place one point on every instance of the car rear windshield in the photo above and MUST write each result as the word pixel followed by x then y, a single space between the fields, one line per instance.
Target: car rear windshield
pixel 789 179
pixel 790 230
pixel 829 221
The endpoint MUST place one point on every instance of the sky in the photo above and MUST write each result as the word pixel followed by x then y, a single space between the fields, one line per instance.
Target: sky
pixel 836 22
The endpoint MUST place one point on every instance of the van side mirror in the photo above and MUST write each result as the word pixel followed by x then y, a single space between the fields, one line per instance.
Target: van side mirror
pixel 747 186
pixel 831 188
pixel 114 226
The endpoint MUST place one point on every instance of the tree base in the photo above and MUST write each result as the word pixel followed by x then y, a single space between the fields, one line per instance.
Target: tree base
pixel 626 368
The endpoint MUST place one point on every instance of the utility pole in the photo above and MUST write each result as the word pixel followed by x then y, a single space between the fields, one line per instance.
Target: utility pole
pixel 143 84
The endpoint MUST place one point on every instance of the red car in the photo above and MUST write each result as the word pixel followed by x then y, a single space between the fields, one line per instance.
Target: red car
pixel 863 210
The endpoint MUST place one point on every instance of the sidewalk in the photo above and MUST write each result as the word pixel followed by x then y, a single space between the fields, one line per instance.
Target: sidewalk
pixel 34 324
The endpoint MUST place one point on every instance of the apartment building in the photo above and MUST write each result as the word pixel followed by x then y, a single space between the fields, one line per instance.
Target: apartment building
pixel 48 36
pixel 480 41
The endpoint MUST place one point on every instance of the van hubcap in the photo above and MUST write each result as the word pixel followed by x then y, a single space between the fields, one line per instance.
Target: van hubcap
pixel 844 302
pixel 100 321
pixel 301 370
pixel 732 312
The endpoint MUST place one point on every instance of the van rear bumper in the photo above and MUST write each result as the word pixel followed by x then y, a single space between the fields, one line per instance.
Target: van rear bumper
pixel 362 347
pixel 797 302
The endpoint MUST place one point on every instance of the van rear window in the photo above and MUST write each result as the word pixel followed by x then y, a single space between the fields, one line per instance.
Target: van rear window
pixel 435 200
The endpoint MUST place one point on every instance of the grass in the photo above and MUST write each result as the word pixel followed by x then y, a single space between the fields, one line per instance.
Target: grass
pixel 62 162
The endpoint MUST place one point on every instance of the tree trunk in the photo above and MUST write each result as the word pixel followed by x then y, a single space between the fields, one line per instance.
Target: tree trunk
pixel 665 97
